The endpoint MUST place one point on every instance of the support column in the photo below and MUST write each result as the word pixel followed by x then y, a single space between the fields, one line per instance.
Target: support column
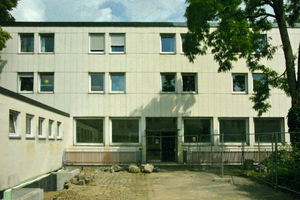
pixel 180 139
pixel 251 131
pixel 143 139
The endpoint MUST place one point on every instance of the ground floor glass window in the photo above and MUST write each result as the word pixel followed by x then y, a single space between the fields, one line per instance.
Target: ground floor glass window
pixel 89 130
pixel 197 130
pixel 266 129
pixel 234 130
pixel 125 130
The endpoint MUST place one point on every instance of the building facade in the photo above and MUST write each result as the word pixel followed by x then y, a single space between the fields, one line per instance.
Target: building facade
pixel 131 93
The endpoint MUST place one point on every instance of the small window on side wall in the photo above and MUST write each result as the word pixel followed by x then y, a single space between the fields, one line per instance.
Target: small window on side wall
pixel 41 127
pixel 47 42
pixel 46 82
pixel 29 125
pixel 25 82
pixel 117 43
pixel 97 43
pixel 26 42
pixel 50 129
pixel 13 123
pixel 96 82
pixel 58 130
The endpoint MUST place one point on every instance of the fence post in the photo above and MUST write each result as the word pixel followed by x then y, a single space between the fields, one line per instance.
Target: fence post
pixel 273 159
pixel 259 163
pixel 222 135
pixel 276 159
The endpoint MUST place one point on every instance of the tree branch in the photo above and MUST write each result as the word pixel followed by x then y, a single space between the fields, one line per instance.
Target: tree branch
pixel 261 15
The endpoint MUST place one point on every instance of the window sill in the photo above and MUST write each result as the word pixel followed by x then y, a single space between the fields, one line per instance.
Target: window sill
pixel 14 136
pixel 30 137
pixel 46 53
pixel 125 144
pixel 168 92
pixel 120 92
pixel 239 93
pixel 59 138
pixel 97 53
pixel 41 137
pixel 96 92
pixel 40 92
pixel 236 144
pixel 167 53
pixel 89 144
pixel 26 92
pixel 117 53
pixel 192 92
pixel 26 53
pixel 51 138
pixel 195 143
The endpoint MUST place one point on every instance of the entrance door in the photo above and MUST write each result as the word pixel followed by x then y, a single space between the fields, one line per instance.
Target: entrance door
pixel 169 142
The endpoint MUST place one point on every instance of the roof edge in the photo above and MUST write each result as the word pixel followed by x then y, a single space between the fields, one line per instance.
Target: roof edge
pixel 17 96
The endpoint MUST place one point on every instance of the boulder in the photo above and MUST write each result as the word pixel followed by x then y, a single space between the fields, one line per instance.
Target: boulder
pixel 148 168
pixel 117 168
pixel 134 169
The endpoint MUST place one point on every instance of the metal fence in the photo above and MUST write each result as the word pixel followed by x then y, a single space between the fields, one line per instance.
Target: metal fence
pixel 269 157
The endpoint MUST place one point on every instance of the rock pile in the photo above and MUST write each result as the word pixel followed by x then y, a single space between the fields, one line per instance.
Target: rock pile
pixel 80 179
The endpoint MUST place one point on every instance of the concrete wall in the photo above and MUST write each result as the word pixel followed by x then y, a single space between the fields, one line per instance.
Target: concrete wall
pixel 24 157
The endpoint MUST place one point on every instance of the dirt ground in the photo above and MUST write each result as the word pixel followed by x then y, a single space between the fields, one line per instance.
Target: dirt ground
pixel 167 184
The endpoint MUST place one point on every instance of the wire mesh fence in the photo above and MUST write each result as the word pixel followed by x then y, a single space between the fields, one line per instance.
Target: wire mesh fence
pixel 269 157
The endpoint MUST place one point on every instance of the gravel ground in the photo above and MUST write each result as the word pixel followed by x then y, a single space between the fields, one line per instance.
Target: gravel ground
pixel 166 184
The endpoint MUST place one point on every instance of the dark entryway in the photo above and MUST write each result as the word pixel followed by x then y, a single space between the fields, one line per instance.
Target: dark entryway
pixel 161 139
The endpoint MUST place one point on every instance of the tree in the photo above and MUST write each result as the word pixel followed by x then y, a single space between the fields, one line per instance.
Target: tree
pixel 239 35
pixel 5 16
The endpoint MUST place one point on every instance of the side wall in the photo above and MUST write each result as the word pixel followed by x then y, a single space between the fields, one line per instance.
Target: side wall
pixel 24 157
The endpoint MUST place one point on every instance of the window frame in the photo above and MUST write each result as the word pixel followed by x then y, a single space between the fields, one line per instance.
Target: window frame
pixel 90 82
pixel 16 124
pixel 20 41
pixel 31 118
pixel 281 122
pixel 41 128
pixel 196 82
pixel 253 81
pixel 182 40
pixel 25 75
pixel 91 143
pixel 41 36
pixel 175 84
pixel 111 82
pixel 40 82
pixel 51 129
pixel 91 35
pixel 198 118
pixel 246 120
pixel 125 143
pixel 246 83
pixel 168 35
pixel 111 36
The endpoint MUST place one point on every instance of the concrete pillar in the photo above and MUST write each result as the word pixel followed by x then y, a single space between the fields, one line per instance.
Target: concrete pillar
pixel 180 139
pixel 143 139
pixel 251 131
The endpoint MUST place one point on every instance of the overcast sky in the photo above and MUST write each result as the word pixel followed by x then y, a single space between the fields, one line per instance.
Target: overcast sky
pixel 100 10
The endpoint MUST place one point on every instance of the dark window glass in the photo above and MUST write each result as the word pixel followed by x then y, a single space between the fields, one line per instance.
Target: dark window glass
pixel 27 42
pixel 168 82
pixel 26 84
pixel 233 130
pixel 265 130
pixel 239 83
pixel 189 83
pixel 118 82
pixel 167 44
pixel 125 130
pixel 89 130
pixel 97 82
pixel 47 43
pixel 197 130
pixel 47 82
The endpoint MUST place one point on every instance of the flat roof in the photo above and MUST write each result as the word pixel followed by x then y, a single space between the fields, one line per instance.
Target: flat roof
pixel 17 96
pixel 108 24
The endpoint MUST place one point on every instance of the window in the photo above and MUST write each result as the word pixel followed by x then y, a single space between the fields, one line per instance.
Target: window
pixel 58 131
pixel 234 130
pixel 168 82
pixel 168 43
pixel 189 82
pixel 41 127
pixel 117 82
pixel 117 43
pixel 239 83
pixel 89 131
pixel 266 129
pixel 27 43
pixel 259 81
pixel 13 123
pixel 46 82
pixel 25 82
pixel 50 129
pixel 96 82
pixel 125 130
pixel 197 130
pixel 29 120
pixel 182 41
pixel 260 42
pixel 47 43
pixel 97 43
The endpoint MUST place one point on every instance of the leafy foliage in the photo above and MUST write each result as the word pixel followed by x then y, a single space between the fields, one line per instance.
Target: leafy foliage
pixel 240 34
pixel 5 16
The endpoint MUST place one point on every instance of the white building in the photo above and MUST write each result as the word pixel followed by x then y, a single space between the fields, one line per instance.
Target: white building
pixel 131 93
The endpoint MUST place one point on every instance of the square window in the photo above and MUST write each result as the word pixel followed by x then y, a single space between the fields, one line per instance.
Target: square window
pixel 260 42
pixel 96 82
pixel 50 129
pixel 47 43
pixel 239 83
pixel 117 43
pixel 29 121
pixel 58 131
pixel 117 82
pixel 97 43
pixel 168 82
pixel 46 82
pixel 41 127
pixel 89 130
pixel 125 130
pixel 197 130
pixel 168 43
pixel 27 43
pixel 189 82
pixel 267 128
pixel 234 130
pixel 13 123
pixel 259 81
pixel 25 82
